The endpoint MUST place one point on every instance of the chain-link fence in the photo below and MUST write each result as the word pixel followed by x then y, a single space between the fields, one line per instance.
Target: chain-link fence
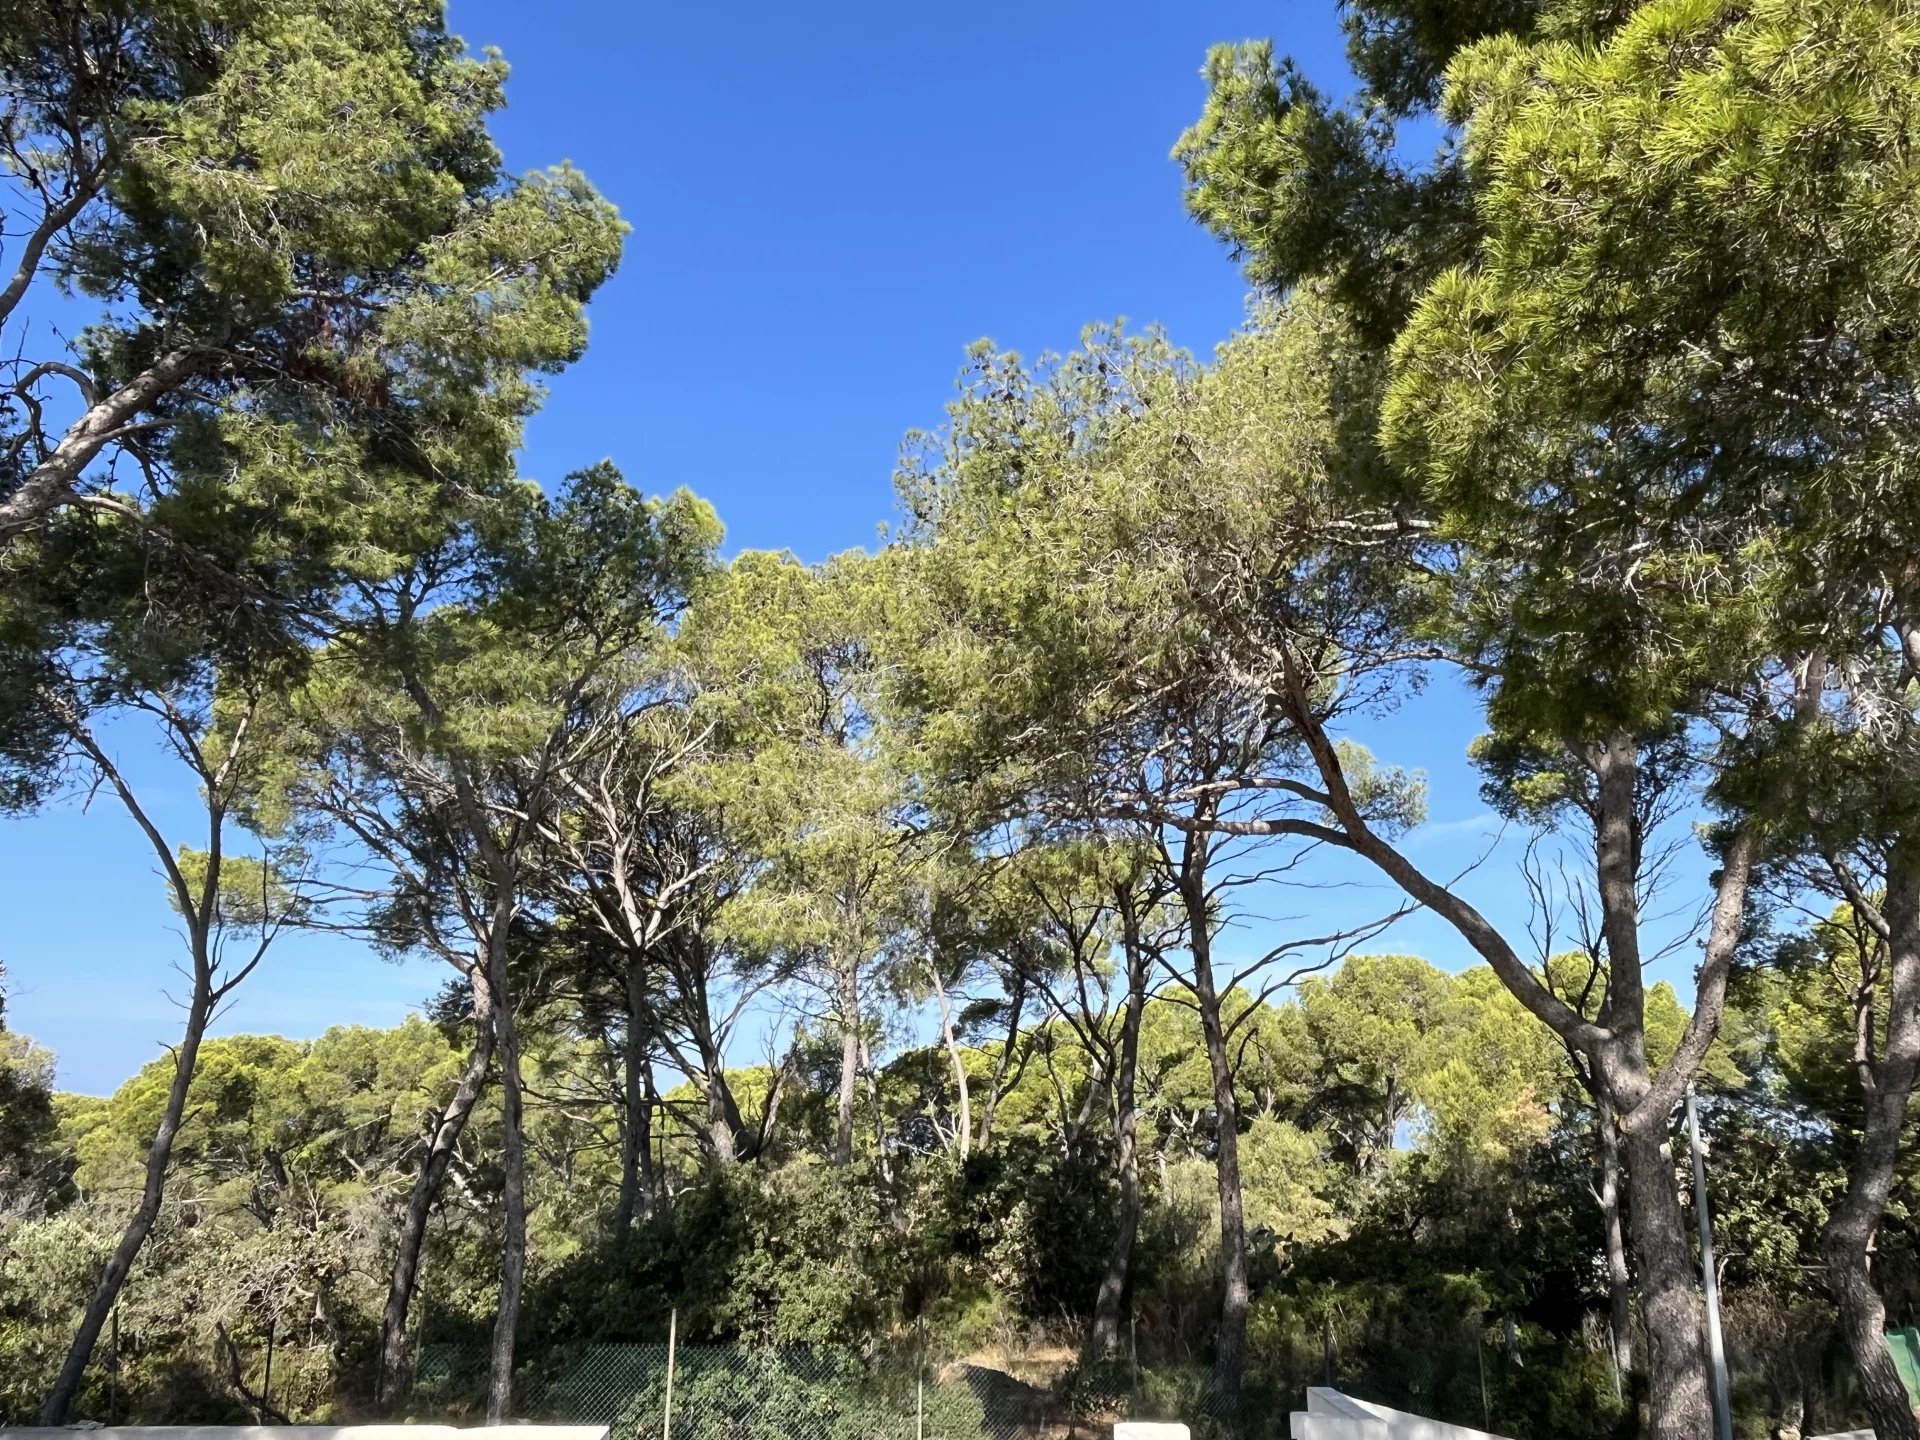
pixel 728 1392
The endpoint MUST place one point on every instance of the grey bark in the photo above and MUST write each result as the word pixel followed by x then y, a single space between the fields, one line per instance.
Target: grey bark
pixel 53 1411
pixel 1016 1002
pixel 1619 1282
pixel 1846 1242
pixel 513 1258
pixel 50 484
pixel 849 1001
pixel 1230 1344
pixel 636 1133
pixel 963 1124
pixel 1111 1299
pixel 442 1145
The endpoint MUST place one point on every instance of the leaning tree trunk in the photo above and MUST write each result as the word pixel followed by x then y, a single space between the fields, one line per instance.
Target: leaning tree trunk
pixel 391 1380
pixel 1107 1305
pixel 1004 1062
pixel 100 1304
pixel 513 1255
pixel 1230 1345
pixel 1677 1403
pixel 1847 1240
pixel 1619 1282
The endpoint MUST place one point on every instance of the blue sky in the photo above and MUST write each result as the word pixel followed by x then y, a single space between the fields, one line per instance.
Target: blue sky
pixel 828 204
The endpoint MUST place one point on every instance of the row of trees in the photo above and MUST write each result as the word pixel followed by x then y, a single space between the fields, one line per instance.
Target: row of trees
pixel 1605 407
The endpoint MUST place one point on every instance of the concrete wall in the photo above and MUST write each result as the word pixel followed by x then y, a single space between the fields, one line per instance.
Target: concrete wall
pixel 293 1432
pixel 1332 1416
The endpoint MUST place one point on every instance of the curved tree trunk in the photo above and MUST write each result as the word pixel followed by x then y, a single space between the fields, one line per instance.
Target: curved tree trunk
pixel 963 1123
pixel 1846 1242
pixel 391 1380
pixel 53 1411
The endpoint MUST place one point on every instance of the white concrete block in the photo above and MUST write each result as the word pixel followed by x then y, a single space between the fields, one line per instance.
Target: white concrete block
pixel 1150 1430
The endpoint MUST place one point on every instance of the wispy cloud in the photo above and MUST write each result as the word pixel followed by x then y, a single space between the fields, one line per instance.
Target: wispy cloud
pixel 1485 825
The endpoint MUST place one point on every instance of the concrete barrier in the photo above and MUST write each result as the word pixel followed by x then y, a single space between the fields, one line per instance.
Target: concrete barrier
pixel 291 1432
pixel 1332 1416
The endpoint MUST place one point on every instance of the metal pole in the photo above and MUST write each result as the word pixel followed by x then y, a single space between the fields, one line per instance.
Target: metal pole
pixel 673 1338
pixel 113 1379
pixel 1710 1280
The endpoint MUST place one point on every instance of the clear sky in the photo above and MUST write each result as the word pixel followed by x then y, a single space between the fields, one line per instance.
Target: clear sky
pixel 828 204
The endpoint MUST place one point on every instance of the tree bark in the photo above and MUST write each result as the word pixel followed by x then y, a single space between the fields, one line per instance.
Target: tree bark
pixel 1110 1301
pixel 849 1001
pixel 1677 1397
pixel 963 1124
pixel 1230 1345
pixel 1846 1242
pixel 1678 1407
pixel 50 484
pixel 513 1257
pixel 53 1411
pixel 1619 1282
pixel 441 1146
pixel 636 1133
pixel 1016 1002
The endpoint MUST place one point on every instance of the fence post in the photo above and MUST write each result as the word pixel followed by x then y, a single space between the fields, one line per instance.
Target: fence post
pixel 920 1390
pixel 673 1339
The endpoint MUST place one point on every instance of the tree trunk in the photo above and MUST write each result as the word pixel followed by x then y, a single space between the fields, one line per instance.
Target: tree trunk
pixel 963 1124
pixel 849 1000
pixel 100 1304
pixel 1619 1283
pixel 1017 996
pixel 50 484
pixel 1108 1304
pixel 513 1257
pixel 636 1133
pixel 441 1145
pixel 1677 1403
pixel 1846 1242
pixel 1230 1346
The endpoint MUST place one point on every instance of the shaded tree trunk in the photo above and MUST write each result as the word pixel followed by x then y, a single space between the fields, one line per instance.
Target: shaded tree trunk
pixel 513 1256
pixel 1846 1242
pixel 442 1145
pixel 636 1135
pixel 1110 1301
pixel 53 1411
